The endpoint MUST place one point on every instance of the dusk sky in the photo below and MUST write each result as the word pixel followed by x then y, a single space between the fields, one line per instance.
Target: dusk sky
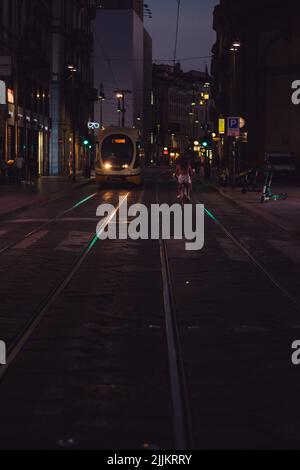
pixel 196 38
pixel 196 35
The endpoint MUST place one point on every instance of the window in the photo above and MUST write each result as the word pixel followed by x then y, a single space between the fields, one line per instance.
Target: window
pixel 117 149
pixel 10 96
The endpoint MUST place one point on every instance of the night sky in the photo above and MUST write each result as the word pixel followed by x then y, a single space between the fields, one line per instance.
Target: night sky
pixel 196 35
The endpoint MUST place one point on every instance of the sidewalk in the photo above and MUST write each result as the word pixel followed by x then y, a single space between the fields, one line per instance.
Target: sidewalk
pixel 14 198
pixel 284 214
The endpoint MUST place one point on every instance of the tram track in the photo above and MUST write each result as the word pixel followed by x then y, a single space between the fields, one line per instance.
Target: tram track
pixel 181 416
pixel 181 377
pixel 21 338
pixel 276 284
pixel 178 378
pixel 182 422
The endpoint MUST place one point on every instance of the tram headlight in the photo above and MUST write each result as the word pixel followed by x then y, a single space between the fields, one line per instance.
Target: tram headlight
pixel 125 167
pixel 107 166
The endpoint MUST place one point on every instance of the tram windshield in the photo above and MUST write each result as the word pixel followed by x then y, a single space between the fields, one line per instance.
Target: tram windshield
pixel 117 149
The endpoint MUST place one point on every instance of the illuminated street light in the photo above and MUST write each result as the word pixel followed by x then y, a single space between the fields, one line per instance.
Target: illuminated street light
pixel 235 46
pixel 72 68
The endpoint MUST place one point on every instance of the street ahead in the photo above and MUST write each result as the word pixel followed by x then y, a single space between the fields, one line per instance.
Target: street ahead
pixel 142 344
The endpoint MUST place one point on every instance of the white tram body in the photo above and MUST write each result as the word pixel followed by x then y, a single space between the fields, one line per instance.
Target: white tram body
pixel 119 156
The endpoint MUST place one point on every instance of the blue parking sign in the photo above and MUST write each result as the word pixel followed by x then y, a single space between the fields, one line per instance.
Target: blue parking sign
pixel 233 126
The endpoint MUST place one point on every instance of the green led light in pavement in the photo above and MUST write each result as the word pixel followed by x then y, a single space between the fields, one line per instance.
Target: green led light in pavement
pixel 207 212
pixel 93 242
pixel 84 200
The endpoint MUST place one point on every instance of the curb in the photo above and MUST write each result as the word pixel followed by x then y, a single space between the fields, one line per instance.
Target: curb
pixel 56 196
pixel 273 220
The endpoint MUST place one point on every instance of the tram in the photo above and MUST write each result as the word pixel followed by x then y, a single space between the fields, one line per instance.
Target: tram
pixel 120 156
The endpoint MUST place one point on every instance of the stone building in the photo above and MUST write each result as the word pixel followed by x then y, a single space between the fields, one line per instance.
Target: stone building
pixel 39 42
pixel 181 115
pixel 255 61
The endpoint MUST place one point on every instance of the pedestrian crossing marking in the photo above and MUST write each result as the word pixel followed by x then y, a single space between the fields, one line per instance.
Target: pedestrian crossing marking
pixel 232 251
pixel 65 219
pixel 75 241
pixel 26 221
pixel 32 240
pixel 287 248
pixel 79 219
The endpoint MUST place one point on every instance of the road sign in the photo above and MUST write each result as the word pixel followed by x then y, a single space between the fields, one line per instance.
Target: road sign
pixel 93 125
pixel 221 126
pixel 2 92
pixel 233 126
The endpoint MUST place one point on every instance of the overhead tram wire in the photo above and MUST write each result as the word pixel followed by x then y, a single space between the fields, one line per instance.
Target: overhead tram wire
pixel 177 31
pixel 119 59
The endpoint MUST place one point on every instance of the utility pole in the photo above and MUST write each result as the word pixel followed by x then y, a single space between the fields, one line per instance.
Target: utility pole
pixel 73 70
pixel 234 144
pixel 101 99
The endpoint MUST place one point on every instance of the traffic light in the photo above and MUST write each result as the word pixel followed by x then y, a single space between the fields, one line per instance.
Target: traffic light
pixel 206 141
pixel 86 142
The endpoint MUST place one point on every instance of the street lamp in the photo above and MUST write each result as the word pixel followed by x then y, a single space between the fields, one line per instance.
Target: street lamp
pixel 72 69
pixel 235 47
pixel 101 99
pixel 120 94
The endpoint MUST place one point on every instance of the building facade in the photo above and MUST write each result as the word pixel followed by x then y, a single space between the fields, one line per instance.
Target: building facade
pixel 39 40
pixel 72 94
pixel 25 69
pixel 254 80
pixel 180 109
pixel 123 61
